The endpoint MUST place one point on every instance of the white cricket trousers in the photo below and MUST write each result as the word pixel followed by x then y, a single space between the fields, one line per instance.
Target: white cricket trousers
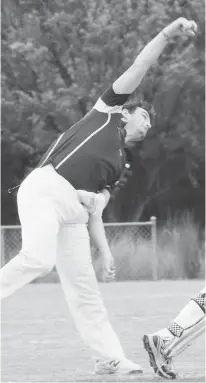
pixel 54 232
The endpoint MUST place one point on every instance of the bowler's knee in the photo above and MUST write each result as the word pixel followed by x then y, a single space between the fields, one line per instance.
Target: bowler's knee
pixel 45 265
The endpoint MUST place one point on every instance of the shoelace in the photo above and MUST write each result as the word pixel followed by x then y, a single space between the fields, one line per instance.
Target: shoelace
pixel 170 360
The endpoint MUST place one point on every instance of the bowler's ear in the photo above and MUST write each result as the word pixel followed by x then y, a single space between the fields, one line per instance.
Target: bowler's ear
pixel 125 115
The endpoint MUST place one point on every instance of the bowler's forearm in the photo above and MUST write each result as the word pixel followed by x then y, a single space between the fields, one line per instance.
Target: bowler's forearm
pixel 97 234
pixel 129 81
pixel 152 51
pixel 155 47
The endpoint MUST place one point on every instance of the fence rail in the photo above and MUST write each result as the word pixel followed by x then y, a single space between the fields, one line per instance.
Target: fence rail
pixel 129 232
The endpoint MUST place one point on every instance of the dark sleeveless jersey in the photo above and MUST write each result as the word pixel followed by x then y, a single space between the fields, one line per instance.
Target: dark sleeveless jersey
pixel 90 154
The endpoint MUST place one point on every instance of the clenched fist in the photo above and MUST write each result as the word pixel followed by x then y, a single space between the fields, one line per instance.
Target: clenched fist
pixel 181 26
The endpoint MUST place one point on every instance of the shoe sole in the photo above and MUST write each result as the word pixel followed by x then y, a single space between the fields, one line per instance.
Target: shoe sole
pixel 117 372
pixel 152 359
pixel 132 372
pixel 150 352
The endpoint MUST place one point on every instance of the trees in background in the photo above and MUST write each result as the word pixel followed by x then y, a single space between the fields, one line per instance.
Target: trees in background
pixel 58 56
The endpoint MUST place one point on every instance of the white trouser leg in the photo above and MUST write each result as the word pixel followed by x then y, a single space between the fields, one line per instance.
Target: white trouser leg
pixel 82 293
pixel 39 239
pixel 45 202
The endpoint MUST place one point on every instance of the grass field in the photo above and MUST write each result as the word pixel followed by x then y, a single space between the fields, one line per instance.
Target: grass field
pixel 40 344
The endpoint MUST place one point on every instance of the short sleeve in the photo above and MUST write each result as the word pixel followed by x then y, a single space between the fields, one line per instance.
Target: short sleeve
pixel 110 102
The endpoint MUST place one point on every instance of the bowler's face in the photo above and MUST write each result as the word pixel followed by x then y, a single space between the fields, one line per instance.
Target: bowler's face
pixel 137 124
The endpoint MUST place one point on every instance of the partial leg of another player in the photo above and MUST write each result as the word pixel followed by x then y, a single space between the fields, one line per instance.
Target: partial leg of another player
pixel 168 342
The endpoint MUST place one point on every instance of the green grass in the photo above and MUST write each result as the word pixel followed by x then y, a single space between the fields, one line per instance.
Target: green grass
pixel 40 344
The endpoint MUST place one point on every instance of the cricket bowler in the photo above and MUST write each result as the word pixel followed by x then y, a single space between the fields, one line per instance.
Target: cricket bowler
pixel 90 156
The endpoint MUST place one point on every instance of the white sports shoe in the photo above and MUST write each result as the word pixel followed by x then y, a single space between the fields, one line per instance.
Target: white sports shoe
pixel 162 365
pixel 123 367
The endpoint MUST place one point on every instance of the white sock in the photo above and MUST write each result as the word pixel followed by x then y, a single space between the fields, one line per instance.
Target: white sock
pixel 165 334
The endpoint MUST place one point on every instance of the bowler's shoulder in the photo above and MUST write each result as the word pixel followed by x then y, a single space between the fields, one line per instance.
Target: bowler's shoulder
pixel 110 102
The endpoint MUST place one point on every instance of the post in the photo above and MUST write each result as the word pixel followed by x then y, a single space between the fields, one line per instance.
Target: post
pixel 154 248
pixel 2 247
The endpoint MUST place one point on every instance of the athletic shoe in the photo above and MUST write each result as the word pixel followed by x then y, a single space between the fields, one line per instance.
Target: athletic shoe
pixel 123 367
pixel 162 366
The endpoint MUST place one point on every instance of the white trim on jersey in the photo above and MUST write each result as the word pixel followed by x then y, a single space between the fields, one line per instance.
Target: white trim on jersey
pixel 104 108
pixel 83 142
pixel 55 144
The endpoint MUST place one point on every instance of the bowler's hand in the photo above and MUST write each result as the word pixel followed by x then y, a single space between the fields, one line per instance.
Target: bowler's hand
pixel 181 27
pixel 107 267
pixel 94 202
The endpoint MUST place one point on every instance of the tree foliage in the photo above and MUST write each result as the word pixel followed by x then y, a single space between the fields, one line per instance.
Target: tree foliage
pixel 58 56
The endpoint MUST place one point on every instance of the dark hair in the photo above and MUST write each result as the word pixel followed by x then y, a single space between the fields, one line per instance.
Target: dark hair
pixel 132 105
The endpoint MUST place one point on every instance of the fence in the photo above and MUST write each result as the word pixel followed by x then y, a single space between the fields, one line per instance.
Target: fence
pixel 132 232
